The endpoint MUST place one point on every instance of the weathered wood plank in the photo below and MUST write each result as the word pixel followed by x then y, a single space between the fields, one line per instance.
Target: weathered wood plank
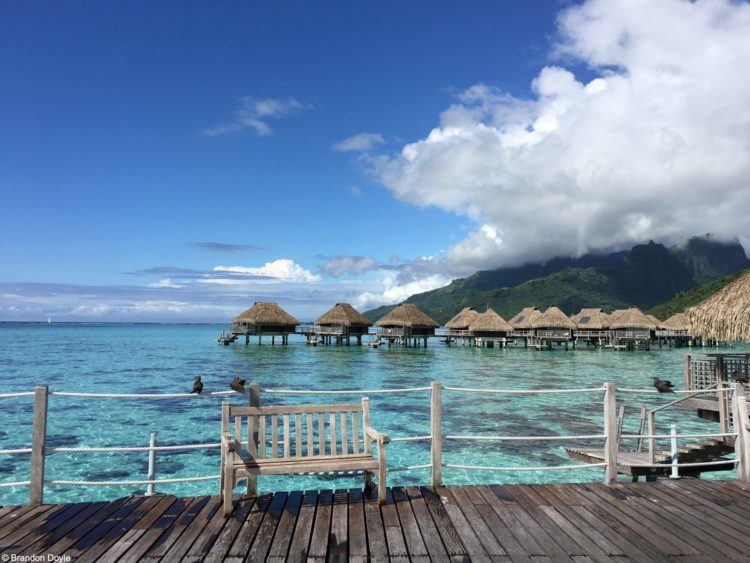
pixel 147 522
pixel 283 535
pixel 142 544
pixel 303 528
pixel 357 527
pixel 338 538
pixel 267 528
pixel 178 525
pixel 448 533
pixel 246 536
pixel 394 535
pixel 319 539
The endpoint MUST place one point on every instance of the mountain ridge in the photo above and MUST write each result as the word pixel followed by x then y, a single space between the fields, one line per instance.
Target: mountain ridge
pixel 644 276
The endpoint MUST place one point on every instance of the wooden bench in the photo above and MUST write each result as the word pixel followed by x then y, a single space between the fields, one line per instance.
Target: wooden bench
pixel 284 440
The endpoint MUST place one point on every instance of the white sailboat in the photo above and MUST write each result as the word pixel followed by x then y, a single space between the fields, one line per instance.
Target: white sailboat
pixel 49 319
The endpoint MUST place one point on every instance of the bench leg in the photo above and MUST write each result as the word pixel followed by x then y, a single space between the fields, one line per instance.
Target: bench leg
pixel 227 486
pixel 381 484
pixel 368 483
pixel 252 485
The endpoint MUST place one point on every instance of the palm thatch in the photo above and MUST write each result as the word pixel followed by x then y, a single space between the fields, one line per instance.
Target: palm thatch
pixel 266 313
pixel 678 323
pixel 523 320
pixel 632 318
pixel 553 317
pixel 408 316
pixel 463 319
pixel 591 319
pixel 616 314
pixel 654 320
pixel 490 321
pixel 343 314
pixel 725 316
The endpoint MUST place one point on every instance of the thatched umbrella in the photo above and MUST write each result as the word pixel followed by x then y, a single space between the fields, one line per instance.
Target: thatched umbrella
pixel 678 322
pixel 265 318
pixel 553 317
pixel 725 316
pixel 523 320
pixel 406 320
pixel 591 319
pixel 632 318
pixel 463 319
pixel 490 323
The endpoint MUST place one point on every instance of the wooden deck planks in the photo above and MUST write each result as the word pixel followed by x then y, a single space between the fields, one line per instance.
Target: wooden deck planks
pixel 686 520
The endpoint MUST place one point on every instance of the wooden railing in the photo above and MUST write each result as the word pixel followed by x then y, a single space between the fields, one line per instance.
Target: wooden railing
pixel 610 434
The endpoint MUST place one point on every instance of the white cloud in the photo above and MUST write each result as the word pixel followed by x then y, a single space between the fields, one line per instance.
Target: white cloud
pixel 351 265
pixel 361 142
pixel 166 282
pixel 657 145
pixel 394 290
pixel 254 113
pixel 281 269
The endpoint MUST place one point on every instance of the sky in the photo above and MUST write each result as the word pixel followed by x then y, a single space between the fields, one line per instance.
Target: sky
pixel 176 162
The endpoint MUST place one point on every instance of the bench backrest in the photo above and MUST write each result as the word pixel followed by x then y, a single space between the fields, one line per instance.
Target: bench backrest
pixel 298 431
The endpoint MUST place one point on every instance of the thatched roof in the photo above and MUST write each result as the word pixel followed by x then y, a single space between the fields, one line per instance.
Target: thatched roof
pixel 553 318
pixel 406 315
pixel 266 313
pixel 680 321
pixel 342 314
pixel 726 314
pixel 616 314
pixel 463 319
pixel 632 318
pixel 490 321
pixel 591 319
pixel 522 321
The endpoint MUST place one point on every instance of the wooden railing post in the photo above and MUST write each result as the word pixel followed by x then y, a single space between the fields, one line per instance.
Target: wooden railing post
pixel 436 424
pixel 742 442
pixel 151 464
pixel 610 431
pixel 252 480
pixel 651 440
pixel 38 445
pixel 688 382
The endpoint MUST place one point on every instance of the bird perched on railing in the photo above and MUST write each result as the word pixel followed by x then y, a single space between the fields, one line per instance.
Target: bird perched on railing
pixel 197 385
pixel 739 377
pixel 663 386
pixel 237 385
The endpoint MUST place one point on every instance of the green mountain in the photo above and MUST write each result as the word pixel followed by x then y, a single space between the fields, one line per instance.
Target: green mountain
pixel 685 299
pixel 644 276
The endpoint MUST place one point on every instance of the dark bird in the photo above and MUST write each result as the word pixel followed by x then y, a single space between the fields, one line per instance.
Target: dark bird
pixel 663 386
pixel 739 377
pixel 197 385
pixel 237 385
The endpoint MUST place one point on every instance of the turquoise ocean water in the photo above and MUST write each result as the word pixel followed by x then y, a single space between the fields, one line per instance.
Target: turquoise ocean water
pixel 165 358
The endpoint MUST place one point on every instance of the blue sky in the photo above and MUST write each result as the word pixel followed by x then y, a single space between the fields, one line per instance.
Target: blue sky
pixel 133 134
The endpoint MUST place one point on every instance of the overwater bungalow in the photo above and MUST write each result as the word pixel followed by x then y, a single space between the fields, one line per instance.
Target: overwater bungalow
pixel 632 329
pixel 264 319
pixel 521 323
pixel 675 331
pixel 407 325
pixel 490 330
pixel 458 326
pixel 593 326
pixel 725 316
pixel 338 325
pixel 552 327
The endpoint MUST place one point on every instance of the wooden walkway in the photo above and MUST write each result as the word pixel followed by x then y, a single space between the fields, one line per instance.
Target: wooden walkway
pixel 686 520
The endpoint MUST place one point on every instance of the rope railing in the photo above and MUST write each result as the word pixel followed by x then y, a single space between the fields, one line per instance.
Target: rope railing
pixel 708 435
pixel 667 464
pixel 522 391
pixel 19 394
pixel 16 484
pixel 131 483
pixel 522 438
pixel 344 391
pixel 676 391
pixel 16 451
pixel 411 438
pixel 140 395
pixel 523 467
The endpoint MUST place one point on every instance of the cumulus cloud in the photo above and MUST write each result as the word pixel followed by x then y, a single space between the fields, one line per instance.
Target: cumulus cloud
pixel 361 142
pixel 395 289
pixel 282 269
pixel 656 145
pixel 166 282
pixel 254 113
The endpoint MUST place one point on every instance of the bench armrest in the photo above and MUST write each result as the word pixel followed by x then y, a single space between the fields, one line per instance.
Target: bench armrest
pixel 373 434
pixel 227 443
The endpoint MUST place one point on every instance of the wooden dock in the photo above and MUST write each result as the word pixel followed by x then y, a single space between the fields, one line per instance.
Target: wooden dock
pixel 685 520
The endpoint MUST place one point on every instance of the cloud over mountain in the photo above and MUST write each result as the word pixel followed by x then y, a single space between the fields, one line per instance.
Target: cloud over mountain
pixel 657 145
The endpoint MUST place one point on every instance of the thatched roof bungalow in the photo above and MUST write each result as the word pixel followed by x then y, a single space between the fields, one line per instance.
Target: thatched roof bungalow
pixel 523 320
pixel 343 319
pixel 463 319
pixel 725 316
pixel 406 320
pixel 490 323
pixel 632 318
pixel 265 318
pixel 553 323
pixel 591 319
pixel 676 324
